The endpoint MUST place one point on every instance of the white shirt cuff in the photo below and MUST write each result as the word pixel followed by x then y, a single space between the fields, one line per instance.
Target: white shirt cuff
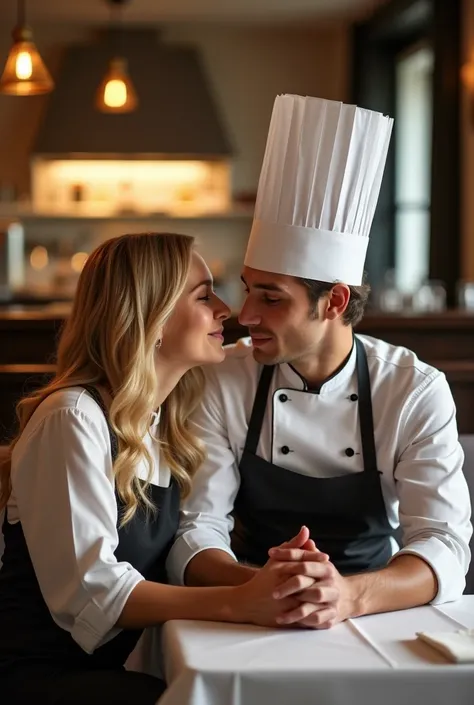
pixel 449 572
pixel 188 546
pixel 94 625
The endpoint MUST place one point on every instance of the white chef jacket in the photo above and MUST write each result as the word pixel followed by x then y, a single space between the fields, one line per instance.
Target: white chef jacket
pixel 64 495
pixel 416 439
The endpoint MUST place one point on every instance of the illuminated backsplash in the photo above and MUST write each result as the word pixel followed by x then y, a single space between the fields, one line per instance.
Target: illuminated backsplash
pixel 111 187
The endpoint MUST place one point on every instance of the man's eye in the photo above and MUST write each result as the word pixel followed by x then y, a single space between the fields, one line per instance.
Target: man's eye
pixel 269 300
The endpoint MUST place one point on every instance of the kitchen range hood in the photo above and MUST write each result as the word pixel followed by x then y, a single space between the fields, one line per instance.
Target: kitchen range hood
pixel 176 117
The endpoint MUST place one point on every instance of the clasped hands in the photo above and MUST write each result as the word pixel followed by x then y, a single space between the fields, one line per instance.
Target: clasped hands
pixel 307 589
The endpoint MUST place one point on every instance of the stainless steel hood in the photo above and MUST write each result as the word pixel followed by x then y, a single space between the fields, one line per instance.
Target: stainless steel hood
pixel 176 118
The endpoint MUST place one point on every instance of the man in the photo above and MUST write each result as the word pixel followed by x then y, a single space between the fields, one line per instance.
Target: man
pixel 310 425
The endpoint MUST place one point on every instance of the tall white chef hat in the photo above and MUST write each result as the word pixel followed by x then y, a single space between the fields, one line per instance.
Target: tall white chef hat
pixel 318 189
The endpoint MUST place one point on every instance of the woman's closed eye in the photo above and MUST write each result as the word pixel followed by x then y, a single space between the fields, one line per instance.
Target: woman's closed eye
pixel 205 295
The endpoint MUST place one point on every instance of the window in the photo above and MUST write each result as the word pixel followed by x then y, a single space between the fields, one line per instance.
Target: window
pixel 407 63
pixel 413 138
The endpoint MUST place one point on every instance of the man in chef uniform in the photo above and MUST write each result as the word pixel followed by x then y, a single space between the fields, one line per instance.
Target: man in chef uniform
pixel 310 425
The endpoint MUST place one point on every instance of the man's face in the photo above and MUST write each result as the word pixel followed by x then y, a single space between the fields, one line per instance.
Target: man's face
pixel 279 317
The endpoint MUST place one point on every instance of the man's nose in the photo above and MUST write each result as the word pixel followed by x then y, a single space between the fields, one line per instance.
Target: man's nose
pixel 248 316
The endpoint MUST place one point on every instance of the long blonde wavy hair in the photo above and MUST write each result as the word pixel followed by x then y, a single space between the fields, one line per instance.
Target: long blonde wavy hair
pixel 125 294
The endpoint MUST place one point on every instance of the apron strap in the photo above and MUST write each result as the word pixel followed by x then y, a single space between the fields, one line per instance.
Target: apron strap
pixel 113 438
pixel 93 391
pixel 258 410
pixel 366 419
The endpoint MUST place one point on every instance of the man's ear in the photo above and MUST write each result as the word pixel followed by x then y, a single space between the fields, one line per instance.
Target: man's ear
pixel 338 301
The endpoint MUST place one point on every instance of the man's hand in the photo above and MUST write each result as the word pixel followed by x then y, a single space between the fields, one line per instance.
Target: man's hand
pixel 325 596
pixel 312 581
pixel 302 540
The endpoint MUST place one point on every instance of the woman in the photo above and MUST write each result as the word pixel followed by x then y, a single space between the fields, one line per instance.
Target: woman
pixel 92 490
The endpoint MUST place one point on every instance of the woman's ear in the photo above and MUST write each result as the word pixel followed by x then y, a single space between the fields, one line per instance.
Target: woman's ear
pixel 160 339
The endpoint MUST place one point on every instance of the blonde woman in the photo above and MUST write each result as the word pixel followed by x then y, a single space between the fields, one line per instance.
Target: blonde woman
pixel 93 486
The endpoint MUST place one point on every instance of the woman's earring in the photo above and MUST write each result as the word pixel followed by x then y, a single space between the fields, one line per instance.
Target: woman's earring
pixel 158 345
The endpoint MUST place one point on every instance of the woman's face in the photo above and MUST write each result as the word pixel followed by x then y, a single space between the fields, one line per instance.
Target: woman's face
pixel 193 335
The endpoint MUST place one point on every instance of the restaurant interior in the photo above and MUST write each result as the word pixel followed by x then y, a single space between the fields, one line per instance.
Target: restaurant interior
pixel 126 116
pixel 144 166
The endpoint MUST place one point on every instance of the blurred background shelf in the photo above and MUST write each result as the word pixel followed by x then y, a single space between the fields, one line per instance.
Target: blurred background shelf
pixel 30 334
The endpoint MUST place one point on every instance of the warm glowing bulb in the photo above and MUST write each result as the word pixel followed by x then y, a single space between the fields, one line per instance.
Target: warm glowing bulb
pixel 78 261
pixel 39 257
pixel 115 93
pixel 24 66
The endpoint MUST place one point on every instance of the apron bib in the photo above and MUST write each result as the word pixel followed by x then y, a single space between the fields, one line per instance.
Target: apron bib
pixel 345 514
pixel 28 633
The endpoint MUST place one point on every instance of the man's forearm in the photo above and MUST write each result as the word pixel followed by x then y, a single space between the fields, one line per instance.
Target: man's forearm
pixel 213 567
pixel 407 582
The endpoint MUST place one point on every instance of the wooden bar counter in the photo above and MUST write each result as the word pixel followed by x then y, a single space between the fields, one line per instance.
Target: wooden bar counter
pixel 28 340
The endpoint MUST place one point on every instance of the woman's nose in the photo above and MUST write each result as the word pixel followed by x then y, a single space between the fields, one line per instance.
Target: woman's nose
pixel 222 311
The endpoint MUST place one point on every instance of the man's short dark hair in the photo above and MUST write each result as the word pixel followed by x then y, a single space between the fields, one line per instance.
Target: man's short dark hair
pixel 357 302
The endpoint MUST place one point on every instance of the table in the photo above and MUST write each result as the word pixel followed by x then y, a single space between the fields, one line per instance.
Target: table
pixel 372 660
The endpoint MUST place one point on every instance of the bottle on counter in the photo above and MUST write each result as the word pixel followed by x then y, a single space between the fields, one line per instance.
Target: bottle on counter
pixel 12 258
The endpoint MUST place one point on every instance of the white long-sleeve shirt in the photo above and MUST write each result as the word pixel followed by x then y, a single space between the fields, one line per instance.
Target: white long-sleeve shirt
pixel 416 440
pixel 64 496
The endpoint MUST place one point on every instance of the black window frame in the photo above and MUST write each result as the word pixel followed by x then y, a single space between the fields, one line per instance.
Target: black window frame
pixel 376 44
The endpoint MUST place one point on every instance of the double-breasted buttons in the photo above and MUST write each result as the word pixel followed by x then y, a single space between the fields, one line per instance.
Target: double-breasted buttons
pixel 283 397
pixel 353 397
pixel 349 452
pixel 285 450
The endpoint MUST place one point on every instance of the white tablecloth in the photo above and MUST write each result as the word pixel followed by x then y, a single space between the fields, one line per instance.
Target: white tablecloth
pixel 374 660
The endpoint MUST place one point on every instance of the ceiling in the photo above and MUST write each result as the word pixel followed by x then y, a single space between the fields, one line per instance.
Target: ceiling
pixel 139 11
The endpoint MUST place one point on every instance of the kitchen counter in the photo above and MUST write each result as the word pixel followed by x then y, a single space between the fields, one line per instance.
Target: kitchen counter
pixel 44 312
pixel 373 319
pixel 434 337
pixel 28 338
pixel 454 318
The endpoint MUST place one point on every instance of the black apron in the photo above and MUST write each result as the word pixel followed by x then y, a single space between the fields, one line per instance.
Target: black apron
pixel 29 637
pixel 346 514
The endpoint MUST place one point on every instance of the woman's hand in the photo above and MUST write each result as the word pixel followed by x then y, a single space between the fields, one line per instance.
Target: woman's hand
pixel 259 601
pixel 254 601
pixel 330 598
pixel 324 601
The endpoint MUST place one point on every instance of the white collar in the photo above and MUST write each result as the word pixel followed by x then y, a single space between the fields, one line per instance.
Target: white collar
pixel 295 381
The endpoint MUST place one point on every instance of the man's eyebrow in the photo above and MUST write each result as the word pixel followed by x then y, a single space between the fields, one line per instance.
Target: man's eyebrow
pixel 265 287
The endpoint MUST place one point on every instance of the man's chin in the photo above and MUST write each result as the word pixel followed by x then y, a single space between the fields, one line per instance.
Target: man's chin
pixel 264 358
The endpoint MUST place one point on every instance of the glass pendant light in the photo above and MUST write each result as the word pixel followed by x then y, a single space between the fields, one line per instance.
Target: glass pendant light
pixel 116 93
pixel 24 72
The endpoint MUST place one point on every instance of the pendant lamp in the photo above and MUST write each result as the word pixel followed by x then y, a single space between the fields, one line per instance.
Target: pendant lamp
pixel 24 72
pixel 116 93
